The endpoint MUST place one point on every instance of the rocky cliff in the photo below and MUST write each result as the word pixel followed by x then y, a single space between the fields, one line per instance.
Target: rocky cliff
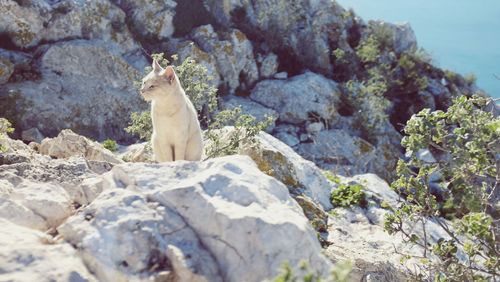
pixel 339 87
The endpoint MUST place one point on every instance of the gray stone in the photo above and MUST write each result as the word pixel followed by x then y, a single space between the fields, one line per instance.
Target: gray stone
pixel 249 107
pixel 403 37
pixel 201 220
pixel 234 56
pixel 281 75
pixel 32 135
pixel 93 89
pixel 268 65
pixel 300 98
pixel 68 144
pixel 6 70
pixel 30 255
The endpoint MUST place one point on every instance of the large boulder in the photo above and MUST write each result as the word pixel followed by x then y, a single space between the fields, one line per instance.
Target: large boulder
pixel 300 98
pixel 31 255
pixel 222 219
pixel 308 30
pixel 83 87
pixel 234 55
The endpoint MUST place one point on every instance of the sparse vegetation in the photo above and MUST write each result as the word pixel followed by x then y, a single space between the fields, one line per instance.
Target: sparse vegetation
pixel 347 194
pixel 196 84
pixel 339 273
pixel 4 130
pixel 110 145
pixel 465 140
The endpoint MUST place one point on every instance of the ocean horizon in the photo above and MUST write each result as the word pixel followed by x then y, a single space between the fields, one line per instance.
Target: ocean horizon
pixel 462 36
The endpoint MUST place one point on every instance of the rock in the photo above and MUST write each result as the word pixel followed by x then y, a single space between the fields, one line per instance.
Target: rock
pixel 281 75
pixel 249 107
pixel 403 37
pixel 151 19
pixel 300 98
pixel 34 205
pixel 314 127
pixel 346 154
pixel 93 89
pixel 32 135
pixel 202 221
pixel 234 56
pixel 135 152
pixel 30 255
pixel 68 143
pixel 6 70
pixel 306 29
pixel 299 175
pixel 186 48
pixel 23 25
pixel 268 65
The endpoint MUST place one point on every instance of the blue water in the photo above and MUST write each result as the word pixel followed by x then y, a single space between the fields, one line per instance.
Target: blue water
pixel 461 35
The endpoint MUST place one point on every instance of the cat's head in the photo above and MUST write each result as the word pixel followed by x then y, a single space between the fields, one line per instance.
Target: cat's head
pixel 159 83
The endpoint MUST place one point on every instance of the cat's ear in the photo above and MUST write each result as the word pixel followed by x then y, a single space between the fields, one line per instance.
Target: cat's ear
pixel 156 66
pixel 169 74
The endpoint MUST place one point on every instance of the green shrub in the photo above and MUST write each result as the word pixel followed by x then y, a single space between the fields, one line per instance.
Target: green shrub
pixel 470 78
pixel 466 140
pixel 339 273
pixel 5 127
pixel 110 145
pixel 347 194
pixel 196 84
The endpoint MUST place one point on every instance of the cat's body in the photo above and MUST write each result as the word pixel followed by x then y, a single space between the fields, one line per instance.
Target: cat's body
pixel 176 129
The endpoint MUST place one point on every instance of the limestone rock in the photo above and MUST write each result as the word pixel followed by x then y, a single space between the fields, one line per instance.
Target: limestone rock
pixel 135 153
pixel 249 107
pixel 23 25
pixel 346 154
pixel 150 18
pixel 30 255
pixel 403 37
pixel 234 56
pixel 34 205
pixel 186 48
pixel 93 89
pixel 6 70
pixel 68 143
pixel 305 27
pixel 280 161
pixel 32 135
pixel 268 65
pixel 200 220
pixel 304 96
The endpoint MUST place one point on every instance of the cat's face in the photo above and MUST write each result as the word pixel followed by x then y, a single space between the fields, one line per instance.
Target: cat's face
pixel 159 83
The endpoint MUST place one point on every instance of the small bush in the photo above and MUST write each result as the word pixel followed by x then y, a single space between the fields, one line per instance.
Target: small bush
pixel 110 145
pixel 339 273
pixel 5 127
pixel 348 194
pixel 470 78
pixel 465 140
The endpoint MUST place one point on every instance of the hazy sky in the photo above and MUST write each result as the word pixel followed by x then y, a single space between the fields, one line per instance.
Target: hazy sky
pixel 461 35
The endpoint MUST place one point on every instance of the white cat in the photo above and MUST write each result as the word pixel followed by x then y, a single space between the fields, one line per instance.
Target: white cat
pixel 176 129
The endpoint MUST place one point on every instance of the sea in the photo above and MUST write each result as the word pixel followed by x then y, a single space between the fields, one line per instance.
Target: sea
pixel 461 35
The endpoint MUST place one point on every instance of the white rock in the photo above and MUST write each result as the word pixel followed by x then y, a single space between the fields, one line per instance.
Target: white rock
pixel 299 97
pixel 30 255
pixel 68 143
pixel 268 65
pixel 300 175
pixel 281 75
pixel 212 220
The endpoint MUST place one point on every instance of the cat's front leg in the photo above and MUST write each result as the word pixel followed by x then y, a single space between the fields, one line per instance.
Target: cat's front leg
pixel 163 152
pixel 180 151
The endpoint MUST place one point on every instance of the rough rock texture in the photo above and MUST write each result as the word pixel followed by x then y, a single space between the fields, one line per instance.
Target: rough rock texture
pixel 304 96
pixel 305 28
pixel 208 220
pixel 280 161
pixel 68 144
pixel 30 255
pixel 249 107
pixel 268 65
pixel 357 234
pixel 93 89
pixel 6 70
pixel 403 37
pixel 346 154
pixel 234 56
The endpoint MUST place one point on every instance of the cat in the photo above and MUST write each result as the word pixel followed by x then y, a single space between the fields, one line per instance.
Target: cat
pixel 176 129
